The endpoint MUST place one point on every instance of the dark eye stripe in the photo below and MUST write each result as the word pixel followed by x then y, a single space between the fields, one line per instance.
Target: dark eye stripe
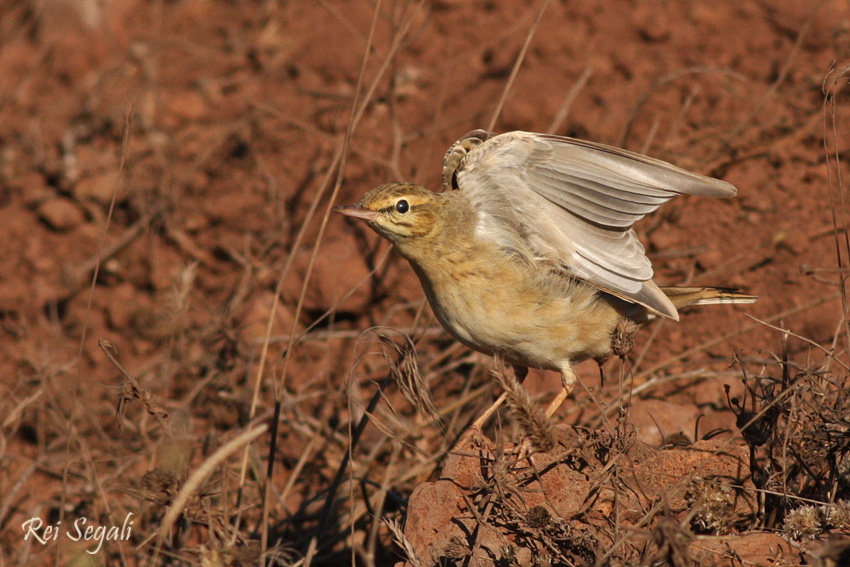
pixel 392 208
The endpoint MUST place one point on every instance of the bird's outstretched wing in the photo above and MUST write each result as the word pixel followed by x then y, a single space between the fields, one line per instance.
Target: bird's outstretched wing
pixel 573 203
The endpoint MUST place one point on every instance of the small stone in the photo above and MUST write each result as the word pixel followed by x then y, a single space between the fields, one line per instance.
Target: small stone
pixel 712 257
pixel 60 214
pixel 254 317
pixel 338 278
pixel 652 24
pixel 33 188
pixel 185 105
pixel 98 188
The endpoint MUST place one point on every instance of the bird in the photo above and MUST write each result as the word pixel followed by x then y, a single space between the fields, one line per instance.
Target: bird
pixel 528 253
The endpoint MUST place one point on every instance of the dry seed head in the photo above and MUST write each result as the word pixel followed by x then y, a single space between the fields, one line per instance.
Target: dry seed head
pixel 409 377
pixel 711 506
pixel 803 523
pixel 538 517
pixel 530 416
pixel 837 516
pixel 402 541
pixel 623 339
pixel 456 549
pixel 160 486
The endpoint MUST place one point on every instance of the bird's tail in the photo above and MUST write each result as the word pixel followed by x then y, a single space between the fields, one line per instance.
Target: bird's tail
pixel 684 296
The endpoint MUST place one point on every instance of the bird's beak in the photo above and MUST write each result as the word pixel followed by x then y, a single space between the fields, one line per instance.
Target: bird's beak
pixel 355 211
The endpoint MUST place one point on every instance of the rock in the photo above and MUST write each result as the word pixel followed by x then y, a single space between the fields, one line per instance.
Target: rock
pixel 656 419
pixel 33 188
pixel 254 317
pixel 667 473
pixel 339 278
pixel 183 106
pixel 758 548
pixel 98 188
pixel 564 504
pixel 60 214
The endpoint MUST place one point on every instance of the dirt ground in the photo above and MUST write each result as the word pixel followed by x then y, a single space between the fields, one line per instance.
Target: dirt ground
pixel 166 172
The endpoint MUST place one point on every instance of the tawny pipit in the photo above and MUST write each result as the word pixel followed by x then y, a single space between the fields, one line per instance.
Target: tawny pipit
pixel 529 253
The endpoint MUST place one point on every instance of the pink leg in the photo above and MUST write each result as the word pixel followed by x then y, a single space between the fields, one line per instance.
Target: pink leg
pixel 482 419
pixel 568 381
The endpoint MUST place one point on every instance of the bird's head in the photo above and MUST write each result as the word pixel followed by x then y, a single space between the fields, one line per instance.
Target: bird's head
pixel 400 212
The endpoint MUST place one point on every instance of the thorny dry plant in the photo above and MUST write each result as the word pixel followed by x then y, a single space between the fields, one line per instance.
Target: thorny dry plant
pixel 798 431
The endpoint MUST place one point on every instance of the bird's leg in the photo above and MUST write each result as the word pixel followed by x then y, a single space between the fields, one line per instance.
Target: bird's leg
pixel 520 372
pixel 568 380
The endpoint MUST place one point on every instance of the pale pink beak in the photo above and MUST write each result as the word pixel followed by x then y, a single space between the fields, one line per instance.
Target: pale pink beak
pixel 355 211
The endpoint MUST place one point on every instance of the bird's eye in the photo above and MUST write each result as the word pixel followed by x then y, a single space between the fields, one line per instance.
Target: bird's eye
pixel 402 206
